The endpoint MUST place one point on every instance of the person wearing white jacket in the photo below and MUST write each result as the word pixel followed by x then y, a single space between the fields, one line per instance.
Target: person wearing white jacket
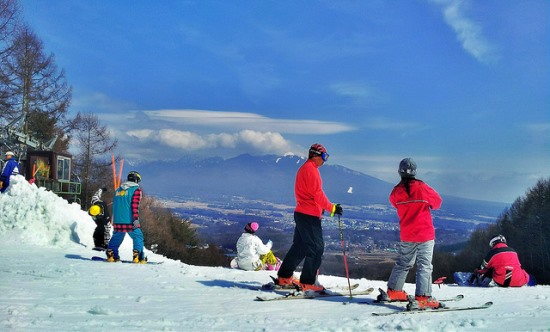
pixel 252 253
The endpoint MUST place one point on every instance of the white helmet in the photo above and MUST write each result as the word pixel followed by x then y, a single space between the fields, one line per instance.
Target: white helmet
pixel 497 239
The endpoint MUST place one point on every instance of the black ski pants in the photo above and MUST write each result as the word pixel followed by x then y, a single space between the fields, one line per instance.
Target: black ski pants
pixel 308 243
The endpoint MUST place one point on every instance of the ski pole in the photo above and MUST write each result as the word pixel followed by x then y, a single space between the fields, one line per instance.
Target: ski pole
pixel 114 171
pixel 120 172
pixel 344 252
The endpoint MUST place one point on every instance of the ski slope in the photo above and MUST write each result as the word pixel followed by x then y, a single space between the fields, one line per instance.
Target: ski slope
pixel 49 283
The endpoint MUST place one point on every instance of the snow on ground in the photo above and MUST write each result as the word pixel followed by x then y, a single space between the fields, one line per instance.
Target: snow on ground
pixel 49 283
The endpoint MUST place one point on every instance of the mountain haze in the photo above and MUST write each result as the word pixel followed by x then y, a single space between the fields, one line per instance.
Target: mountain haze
pixel 271 178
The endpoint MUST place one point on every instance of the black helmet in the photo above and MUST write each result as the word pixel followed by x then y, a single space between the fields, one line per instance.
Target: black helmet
pixel 497 239
pixel 134 177
pixel 407 168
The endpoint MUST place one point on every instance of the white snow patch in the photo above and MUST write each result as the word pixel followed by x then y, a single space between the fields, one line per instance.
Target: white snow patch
pixel 49 283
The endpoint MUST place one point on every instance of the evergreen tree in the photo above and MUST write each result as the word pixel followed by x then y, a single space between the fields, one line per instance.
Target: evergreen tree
pixel 526 226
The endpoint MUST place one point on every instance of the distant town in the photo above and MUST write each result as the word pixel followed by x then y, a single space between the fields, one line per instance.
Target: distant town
pixel 366 230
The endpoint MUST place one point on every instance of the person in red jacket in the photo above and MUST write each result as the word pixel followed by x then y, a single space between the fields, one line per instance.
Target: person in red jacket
pixel 308 241
pixel 414 201
pixel 501 264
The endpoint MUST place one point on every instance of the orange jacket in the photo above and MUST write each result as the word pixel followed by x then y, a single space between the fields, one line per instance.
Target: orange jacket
pixel 308 190
pixel 415 218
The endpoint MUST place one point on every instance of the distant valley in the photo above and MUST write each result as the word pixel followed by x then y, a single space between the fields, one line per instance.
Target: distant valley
pixel 221 195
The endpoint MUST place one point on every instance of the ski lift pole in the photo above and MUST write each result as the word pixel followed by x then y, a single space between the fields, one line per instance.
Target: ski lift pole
pixel 344 252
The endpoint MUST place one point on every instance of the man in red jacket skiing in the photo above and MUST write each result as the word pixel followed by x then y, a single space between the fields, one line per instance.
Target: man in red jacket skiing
pixel 414 201
pixel 308 241
pixel 502 265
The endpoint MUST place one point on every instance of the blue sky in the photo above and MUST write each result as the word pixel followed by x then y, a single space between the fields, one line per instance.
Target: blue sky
pixel 462 87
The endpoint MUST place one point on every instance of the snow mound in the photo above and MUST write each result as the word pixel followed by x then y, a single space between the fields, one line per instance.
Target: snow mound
pixel 41 217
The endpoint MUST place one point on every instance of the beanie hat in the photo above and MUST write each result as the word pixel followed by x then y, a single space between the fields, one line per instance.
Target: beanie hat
pixel 251 227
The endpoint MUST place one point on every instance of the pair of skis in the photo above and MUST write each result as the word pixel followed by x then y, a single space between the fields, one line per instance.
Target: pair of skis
pixel 429 310
pixel 296 295
pixel 444 309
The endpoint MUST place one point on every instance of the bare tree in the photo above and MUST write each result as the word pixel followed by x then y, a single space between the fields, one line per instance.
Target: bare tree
pixel 35 87
pixel 94 145
pixel 9 23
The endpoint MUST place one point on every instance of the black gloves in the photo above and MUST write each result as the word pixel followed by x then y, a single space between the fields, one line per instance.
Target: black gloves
pixel 336 209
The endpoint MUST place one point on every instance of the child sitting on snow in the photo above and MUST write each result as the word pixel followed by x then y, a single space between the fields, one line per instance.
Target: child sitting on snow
pixel 252 254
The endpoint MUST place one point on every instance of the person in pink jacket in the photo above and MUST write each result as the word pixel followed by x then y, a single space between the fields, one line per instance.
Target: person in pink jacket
pixel 414 201
pixel 308 243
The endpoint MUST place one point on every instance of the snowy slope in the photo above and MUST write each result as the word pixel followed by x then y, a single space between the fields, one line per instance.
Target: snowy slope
pixel 49 283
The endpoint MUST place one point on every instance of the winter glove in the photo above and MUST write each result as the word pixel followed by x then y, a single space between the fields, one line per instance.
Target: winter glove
pixel 336 209
pixel 136 224
pixel 269 244
pixel 104 189
pixel 1 184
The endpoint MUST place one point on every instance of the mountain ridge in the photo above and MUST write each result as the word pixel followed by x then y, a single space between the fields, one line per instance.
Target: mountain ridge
pixel 271 178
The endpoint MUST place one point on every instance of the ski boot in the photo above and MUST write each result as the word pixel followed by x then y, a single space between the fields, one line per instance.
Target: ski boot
pixel 287 283
pixel 313 288
pixel 391 296
pixel 137 258
pixel 111 256
pixel 420 302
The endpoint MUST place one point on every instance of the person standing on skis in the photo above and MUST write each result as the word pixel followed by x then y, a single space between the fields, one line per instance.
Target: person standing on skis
pixel 308 241
pixel 414 201
pixel 126 219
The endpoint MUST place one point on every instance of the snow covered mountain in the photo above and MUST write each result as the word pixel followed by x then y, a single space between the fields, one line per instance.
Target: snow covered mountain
pixel 270 178
pixel 49 283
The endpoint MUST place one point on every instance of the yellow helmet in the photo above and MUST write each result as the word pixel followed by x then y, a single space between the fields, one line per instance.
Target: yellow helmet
pixel 94 210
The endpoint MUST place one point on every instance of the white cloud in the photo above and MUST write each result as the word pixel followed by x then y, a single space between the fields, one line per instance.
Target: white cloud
pixel 265 142
pixel 236 121
pixel 141 133
pixel 469 33
pixel 224 140
pixel 183 140
pixel 268 141
pixel 212 132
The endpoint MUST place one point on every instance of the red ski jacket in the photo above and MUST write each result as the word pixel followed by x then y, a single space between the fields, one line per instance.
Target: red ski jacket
pixel 502 264
pixel 413 209
pixel 308 189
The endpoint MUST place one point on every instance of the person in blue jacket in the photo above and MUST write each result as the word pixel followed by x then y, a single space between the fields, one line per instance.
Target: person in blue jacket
pixel 126 219
pixel 11 167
